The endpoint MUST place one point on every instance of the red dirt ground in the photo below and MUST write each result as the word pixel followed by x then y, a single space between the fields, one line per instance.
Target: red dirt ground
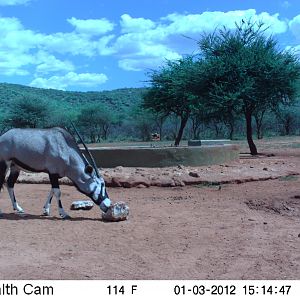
pixel 230 231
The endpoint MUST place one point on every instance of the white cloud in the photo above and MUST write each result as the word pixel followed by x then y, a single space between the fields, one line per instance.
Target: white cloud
pixel 140 43
pixel 294 25
pixel 72 43
pixel 47 63
pixel 148 56
pixel 71 79
pixel 276 26
pixel 144 41
pixel 9 24
pixel 13 2
pixel 14 37
pixel 102 45
pixel 297 50
pixel 14 63
pixel 143 64
pixel 77 44
pixel 209 20
pixel 21 48
pixel 92 26
pixel 195 24
pixel 129 24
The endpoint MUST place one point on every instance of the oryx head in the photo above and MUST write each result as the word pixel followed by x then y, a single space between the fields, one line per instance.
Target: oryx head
pixel 94 186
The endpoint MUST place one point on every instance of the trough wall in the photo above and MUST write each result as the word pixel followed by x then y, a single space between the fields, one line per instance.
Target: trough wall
pixel 110 157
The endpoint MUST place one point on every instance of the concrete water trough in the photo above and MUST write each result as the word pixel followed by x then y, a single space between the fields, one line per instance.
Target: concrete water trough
pixel 147 156
pixel 208 142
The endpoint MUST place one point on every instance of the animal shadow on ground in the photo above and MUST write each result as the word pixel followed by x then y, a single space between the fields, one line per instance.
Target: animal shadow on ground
pixel 26 216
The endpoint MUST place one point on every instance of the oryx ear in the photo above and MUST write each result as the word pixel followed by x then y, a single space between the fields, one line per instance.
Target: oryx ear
pixel 89 169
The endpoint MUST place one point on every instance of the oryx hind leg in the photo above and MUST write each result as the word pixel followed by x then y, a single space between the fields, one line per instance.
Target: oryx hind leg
pixel 12 179
pixel 3 169
pixel 55 190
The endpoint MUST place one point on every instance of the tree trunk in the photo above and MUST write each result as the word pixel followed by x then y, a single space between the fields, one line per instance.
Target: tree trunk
pixel 160 124
pixel 196 128
pixel 98 138
pixel 259 123
pixel 105 129
pixel 217 129
pixel 259 133
pixel 197 134
pixel 287 126
pixel 181 129
pixel 251 144
pixel 160 132
pixel 231 131
pixel 230 125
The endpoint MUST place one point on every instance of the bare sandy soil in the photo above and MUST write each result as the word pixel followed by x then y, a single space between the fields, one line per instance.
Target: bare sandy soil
pixel 249 230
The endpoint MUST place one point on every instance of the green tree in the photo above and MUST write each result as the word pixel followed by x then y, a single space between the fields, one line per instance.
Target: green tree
pixel 3 121
pixel 28 111
pixel 95 122
pixel 172 91
pixel 108 120
pixel 143 121
pixel 61 114
pixel 248 72
pixel 287 117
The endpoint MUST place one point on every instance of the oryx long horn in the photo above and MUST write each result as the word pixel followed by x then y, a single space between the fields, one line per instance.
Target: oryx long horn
pixel 87 150
pixel 84 158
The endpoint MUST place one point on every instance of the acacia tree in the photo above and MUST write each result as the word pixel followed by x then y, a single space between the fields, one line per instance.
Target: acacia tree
pixel 248 71
pixel 258 117
pixel 287 118
pixel 172 91
pixel 95 122
pixel 143 121
pixel 28 111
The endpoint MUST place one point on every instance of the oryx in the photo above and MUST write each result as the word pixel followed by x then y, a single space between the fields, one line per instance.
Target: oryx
pixel 55 152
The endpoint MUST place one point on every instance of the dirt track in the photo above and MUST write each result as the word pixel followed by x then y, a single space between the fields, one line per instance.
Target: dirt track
pixel 233 231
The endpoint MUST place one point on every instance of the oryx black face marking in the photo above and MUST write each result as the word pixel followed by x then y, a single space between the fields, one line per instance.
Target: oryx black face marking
pixel 55 152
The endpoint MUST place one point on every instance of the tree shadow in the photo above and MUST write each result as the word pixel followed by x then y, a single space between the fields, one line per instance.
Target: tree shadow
pixel 26 216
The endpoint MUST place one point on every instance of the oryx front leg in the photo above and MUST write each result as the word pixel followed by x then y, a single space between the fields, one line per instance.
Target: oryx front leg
pixel 46 208
pixel 61 210
pixel 57 194
pixel 12 178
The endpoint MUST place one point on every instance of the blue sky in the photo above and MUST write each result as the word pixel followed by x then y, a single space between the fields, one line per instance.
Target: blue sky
pixel 93 45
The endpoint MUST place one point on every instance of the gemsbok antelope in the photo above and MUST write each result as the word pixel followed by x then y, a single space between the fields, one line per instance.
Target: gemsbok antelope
pixel 53 151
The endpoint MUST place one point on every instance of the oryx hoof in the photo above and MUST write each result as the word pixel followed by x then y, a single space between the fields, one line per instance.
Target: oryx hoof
pixel 65 217
pixel 46 212
pixel 19 209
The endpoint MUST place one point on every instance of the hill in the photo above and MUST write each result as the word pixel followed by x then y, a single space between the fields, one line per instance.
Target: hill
pixel 119 100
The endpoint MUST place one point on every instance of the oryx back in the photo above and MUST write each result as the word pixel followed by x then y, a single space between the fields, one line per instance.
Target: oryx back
pixel 41 150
